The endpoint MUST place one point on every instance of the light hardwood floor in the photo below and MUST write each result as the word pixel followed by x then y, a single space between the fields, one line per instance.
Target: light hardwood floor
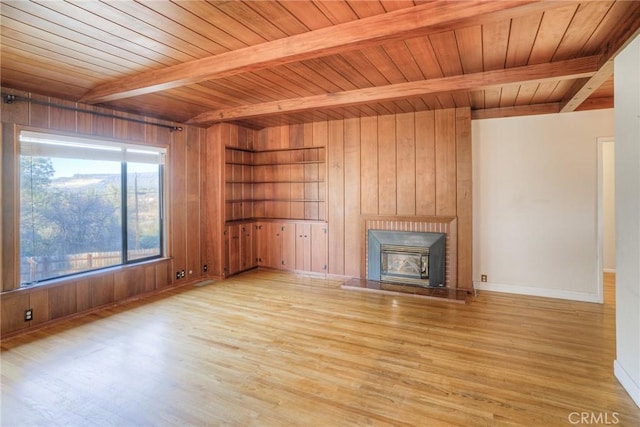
pixel 274 349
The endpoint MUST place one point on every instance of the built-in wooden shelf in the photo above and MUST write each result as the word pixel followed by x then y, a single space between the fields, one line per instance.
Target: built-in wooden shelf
pixel 275 183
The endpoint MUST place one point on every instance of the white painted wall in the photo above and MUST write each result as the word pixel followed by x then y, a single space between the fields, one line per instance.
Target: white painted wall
pixel 609 206
pixel 627 116
pixel 535 203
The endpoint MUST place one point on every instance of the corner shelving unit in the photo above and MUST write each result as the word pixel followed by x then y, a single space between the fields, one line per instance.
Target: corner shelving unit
pixel 275 183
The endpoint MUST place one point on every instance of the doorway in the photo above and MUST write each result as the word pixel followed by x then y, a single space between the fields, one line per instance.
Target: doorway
pixel 606 214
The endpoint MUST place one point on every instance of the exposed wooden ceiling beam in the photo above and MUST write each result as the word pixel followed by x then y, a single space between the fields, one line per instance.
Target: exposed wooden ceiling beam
pixel 411 22
pixel 582 89
pixel 596 104
pixel 560 70
pixel 520 110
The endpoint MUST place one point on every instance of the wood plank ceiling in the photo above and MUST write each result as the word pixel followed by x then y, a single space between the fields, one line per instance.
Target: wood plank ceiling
pixel 264 63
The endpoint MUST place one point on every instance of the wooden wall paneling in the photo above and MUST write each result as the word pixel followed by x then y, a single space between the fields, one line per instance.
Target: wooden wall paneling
pixel 178 182
pixel 311 190
pixel 39 302
pixel 38 113
pixel 102 126
pixel 164 275
pixel 296 135
pixel 247 186
pixel 406 161
pixel 10 274
pixel 319 137
pixel 335 196
pixel 83 295
pixel 63 300
pixel 213 195
pixel 296 173
pixel 12 307
pixel 369 165
pixel 352 197
pixel 149 278
pixel 387 172
pixel 425 163
pixel 101 290
pixel 194 137
pixel 464 198
pixel 84 122
pixel 445 126
pixel 243 137
pixel 321 206
pixel 307 135
pixel 63 119
pixel 128 282
pixel 232 135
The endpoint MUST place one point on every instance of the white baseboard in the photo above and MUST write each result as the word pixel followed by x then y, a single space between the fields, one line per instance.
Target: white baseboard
pixel 537 292
pixel 627 382
pixel 609 270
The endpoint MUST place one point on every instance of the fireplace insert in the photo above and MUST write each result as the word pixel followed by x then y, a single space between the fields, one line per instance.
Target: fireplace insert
pixel 410 258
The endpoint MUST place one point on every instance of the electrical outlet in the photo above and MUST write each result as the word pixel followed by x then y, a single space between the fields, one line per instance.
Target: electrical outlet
pixel 28 315
pixel 483 278
pixel 182 276
pixel 178 275
pixel 204 267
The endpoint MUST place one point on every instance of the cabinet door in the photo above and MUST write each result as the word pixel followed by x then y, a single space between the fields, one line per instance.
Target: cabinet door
pixel 273 245
pixel 233 231
pixel 288 246
pixel 247 257
pixel 319 246
pixel 303 247
pixel 260 243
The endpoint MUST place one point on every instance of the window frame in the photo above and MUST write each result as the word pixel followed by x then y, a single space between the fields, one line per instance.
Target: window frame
pixel 91 139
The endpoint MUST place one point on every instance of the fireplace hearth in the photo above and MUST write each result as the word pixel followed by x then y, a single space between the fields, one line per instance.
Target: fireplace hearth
pixel 408 258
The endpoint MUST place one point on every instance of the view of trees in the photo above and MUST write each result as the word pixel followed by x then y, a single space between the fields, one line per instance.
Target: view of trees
pixel 61 218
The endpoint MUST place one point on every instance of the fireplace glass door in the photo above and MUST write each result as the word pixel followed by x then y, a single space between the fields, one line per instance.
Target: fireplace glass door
pixel 404 264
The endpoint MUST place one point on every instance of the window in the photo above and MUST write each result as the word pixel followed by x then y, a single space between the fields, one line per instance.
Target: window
pixel 86 205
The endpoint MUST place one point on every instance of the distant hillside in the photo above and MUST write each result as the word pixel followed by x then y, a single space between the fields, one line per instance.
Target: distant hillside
pixel 147 181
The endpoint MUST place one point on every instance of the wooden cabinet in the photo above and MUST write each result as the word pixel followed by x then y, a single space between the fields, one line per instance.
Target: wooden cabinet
pixel 319 246
pixel 276 244
pixel 292 245
pixel 311 247
pixel 239 248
